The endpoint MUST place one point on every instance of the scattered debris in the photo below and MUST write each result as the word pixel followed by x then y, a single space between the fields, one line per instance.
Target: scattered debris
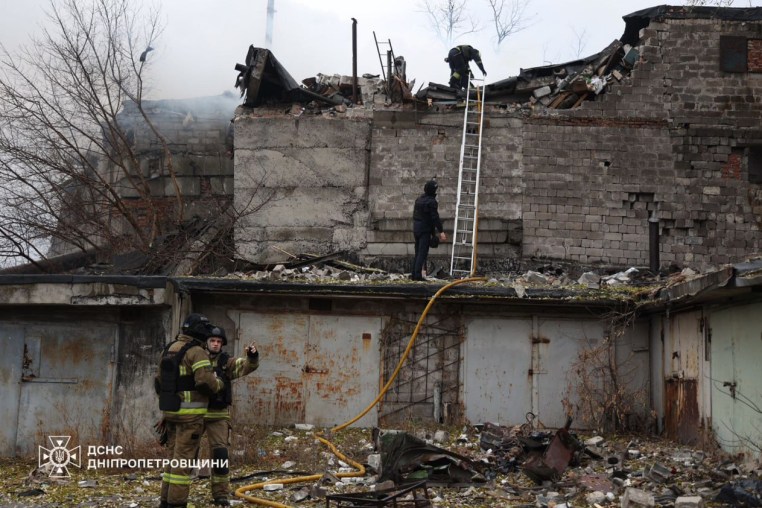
pixel 476 465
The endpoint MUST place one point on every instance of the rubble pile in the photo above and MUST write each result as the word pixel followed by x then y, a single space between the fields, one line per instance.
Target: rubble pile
pixel 485 465
pixel 544 277
pixel 493 465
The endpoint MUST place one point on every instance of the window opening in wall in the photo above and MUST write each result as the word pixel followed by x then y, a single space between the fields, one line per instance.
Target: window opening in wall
pixel 755 164
pixel 740 54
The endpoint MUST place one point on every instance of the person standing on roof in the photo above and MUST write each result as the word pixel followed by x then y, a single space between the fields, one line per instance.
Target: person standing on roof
pixel 426 222
pixel 460 72
pixel 217 419
pixel 184 384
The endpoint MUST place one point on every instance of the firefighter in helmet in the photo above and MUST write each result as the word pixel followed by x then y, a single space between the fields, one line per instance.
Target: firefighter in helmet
pixel 460 71
pixel 217 418
pixel 185 382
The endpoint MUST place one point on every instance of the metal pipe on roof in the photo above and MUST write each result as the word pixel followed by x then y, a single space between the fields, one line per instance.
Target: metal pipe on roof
pixel 354 61
pixel 653 243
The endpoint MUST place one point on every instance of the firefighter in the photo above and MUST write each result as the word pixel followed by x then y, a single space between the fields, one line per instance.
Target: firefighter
pixel 460 72
pixel 217 419
pixel 185 382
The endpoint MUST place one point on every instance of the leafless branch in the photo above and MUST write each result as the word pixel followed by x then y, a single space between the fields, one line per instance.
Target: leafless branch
pixel 711 3
pixel 580 41
pixel 509 19
pixel 450 19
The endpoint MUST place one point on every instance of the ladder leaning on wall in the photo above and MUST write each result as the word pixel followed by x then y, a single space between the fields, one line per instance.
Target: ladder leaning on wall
pixel 388 54
pixel 464 237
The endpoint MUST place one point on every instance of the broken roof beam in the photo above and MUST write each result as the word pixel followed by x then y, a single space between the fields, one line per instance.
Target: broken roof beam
pixel 263 77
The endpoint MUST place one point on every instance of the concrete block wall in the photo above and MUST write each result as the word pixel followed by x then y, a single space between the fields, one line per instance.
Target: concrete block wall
pixel 670 141
pixel 302 185
pixel 199 135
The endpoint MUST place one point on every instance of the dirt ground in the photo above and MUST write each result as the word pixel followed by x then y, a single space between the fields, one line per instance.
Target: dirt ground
pixel 652 467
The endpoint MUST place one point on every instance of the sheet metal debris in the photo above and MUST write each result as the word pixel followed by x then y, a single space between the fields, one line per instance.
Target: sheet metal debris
pixel 551 464
pixel 414 495
pixel 408 458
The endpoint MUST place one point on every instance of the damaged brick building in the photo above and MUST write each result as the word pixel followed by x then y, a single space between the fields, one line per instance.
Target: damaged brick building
pixel 674 140
pixel 581 163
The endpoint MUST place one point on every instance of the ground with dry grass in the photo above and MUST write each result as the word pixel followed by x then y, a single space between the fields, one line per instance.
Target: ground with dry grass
pixel 263 453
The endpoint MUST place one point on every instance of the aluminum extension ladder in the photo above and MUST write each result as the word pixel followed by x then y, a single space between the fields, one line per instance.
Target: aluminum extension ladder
pixel 464 238
pixel 386 70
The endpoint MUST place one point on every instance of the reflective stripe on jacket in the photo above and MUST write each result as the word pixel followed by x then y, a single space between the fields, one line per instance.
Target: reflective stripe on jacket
pixel 233 369
pixel 194 403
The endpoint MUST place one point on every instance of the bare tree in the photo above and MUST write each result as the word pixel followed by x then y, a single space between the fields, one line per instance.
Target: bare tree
pixel 59 101
pixel 450 19
pixel 509 19
pixel 710 3
pixel 580 42
pixel 73 171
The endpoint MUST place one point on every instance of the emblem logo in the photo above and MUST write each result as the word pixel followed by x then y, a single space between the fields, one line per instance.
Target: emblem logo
pixel 59 457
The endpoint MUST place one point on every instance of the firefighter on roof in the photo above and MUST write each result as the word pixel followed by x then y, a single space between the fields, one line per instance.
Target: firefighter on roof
pixel 458 58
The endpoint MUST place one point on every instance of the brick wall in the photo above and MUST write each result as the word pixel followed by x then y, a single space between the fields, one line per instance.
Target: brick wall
pixel 670 141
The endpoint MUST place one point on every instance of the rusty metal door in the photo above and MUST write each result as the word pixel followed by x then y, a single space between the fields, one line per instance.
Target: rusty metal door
pixel 341 372
pixel 66 384
pixel 558 343
pixel 11 361
pixel 517 365
pixel 683 360
pixel 497 379
pixel 317 369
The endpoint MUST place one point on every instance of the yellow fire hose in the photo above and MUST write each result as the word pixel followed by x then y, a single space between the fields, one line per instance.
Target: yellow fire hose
pixel 241 492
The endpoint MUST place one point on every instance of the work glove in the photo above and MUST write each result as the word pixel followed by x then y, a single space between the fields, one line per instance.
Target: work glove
pixel 251 352
pixel 160 428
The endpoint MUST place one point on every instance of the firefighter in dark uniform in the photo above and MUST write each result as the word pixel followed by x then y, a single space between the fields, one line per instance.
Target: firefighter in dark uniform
pixel 185 382
pixel 426 222
pixel 460 72
pixel 217 418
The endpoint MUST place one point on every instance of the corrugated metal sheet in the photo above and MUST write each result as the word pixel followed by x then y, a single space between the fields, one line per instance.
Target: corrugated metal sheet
pixel 317 369
pixel 736 349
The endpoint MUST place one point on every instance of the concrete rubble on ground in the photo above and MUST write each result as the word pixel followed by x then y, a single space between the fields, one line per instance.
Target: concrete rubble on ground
pixel 476 465
pixel 600 471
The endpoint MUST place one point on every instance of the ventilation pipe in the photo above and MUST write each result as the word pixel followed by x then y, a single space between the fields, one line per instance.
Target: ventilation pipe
pixel 653 243
pixel 354 61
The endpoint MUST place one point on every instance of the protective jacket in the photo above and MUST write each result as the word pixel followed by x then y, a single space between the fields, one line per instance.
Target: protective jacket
pixel 228 369
pixel 195 381
pixel 459 57
pixel 426 215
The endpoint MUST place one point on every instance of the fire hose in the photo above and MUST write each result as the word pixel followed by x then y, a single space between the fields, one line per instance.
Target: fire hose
pixel 241 492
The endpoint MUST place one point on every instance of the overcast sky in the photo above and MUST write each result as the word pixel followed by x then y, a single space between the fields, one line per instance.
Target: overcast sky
pixel 204 39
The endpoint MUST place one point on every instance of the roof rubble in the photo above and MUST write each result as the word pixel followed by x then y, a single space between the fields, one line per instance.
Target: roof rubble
pixel 263 80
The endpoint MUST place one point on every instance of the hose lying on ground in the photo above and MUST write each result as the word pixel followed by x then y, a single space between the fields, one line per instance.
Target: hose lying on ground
pixel 241 491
